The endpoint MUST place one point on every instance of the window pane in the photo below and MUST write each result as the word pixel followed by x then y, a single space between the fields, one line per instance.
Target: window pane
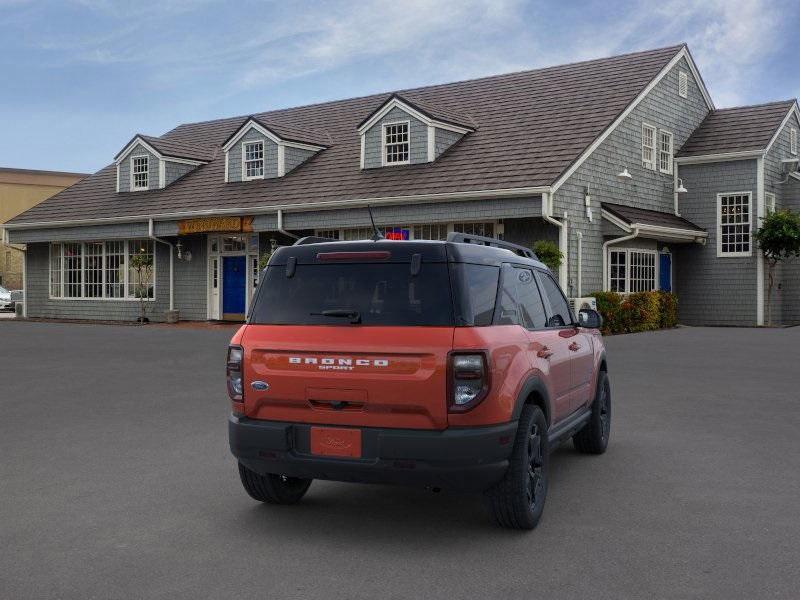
pixel 396 147
pixel 140 268
pixel 734 223
pixel 93 270
pixel 476 287
pixel 140 169
pixel 73 270
pixel 530 301
pixel 560 314
pixel 115 269
pixel 254 159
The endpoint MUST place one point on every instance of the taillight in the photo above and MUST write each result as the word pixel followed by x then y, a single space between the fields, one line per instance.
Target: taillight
pixel 468 380
pixel 234 372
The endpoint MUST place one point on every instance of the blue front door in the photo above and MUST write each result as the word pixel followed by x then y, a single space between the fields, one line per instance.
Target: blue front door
pixel 665 272
pixel 233 286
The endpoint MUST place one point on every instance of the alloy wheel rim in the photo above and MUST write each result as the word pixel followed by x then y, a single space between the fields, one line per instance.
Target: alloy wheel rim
pixel 605 412
pixel 535 481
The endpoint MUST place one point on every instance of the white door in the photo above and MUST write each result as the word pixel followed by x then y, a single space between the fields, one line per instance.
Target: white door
pixel 214 285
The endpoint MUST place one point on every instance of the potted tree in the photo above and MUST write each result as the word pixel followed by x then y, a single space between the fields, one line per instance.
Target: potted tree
pixel 779 240
pixel 141 264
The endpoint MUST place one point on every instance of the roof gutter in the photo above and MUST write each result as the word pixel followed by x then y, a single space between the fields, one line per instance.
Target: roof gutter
pixel 273 209
pixel 152 236
pixel 282 230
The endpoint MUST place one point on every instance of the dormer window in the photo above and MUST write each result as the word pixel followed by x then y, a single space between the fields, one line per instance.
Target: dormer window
pixel 253 160
pixel 140 169
pixel 396 148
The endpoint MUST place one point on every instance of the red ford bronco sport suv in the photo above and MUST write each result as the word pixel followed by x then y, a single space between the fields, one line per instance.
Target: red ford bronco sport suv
pixel 451 364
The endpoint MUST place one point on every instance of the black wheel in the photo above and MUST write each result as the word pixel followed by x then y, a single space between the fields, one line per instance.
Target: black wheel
pixel 593 438
pixel 273 489
pixel 517 501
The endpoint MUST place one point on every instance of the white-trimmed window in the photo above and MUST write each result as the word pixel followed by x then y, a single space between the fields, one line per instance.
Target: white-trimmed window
pixel 101 270
pixel 769 200
pixel 140 172
pixel 665 152
pixel 734 224
pixel 793 140
pixel 648 146
pixel 631 270
pixel 396 146
pixel 430 231
pixel 683 84
pixel 253 160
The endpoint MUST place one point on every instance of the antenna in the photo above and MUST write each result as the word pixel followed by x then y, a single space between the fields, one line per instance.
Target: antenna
pixel 377 236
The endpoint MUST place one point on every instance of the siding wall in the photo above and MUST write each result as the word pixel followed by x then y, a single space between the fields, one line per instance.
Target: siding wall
pixel 418 136
pixel 408 214
pixel 270 156
pixel 786 288
pixel 174 171
pixel 294 157
pixel 443 139
pixel 190 289
pixel 712 290
pixel 125 169
pixel 652 190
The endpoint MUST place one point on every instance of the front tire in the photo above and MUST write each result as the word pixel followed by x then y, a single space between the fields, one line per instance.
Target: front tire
pixel 517 502
pixel 593 438
pixel 273 489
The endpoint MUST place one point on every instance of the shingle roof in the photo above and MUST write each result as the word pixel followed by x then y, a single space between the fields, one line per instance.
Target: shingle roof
pixel 737 129
pixel 631 215
pixel 437 112
pixel 530 127
pixel 287 132
pixel 175 148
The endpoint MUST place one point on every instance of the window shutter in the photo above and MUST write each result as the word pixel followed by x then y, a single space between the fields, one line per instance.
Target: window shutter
pixel 683 84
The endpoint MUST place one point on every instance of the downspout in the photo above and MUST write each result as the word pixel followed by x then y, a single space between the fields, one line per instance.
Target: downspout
pixel 580 263
pixel 152 236
pixel 605 253
pixel 547 210
pixel 282 230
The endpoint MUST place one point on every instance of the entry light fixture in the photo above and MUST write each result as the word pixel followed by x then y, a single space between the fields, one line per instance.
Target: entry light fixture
pixel 624 175
pixel 681 189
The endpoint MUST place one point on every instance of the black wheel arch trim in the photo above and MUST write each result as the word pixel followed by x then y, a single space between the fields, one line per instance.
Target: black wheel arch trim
pixel 533 384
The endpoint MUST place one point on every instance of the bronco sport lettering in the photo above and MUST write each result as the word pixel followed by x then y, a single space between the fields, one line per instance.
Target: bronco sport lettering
pixel 455 364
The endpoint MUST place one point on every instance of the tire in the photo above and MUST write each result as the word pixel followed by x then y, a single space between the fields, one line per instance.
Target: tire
pixel 273 489
pixel 517 501
pixel 593 438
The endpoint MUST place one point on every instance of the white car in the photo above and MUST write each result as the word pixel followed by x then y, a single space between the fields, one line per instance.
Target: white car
pixel 5 299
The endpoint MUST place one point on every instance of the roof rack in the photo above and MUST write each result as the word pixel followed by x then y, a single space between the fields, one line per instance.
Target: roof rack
pixel 464 238
pixel 313 239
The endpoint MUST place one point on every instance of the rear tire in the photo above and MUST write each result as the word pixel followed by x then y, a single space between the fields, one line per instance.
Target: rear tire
pixel 593 438
pixel 273 489
pixel 517 502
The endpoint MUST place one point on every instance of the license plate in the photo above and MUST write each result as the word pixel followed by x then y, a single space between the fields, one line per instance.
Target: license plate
pixel 331 441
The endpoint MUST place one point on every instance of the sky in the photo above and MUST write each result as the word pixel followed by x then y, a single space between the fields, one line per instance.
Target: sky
pixel 81 77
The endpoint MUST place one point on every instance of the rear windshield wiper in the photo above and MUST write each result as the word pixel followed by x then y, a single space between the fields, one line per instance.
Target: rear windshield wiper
pixel 342 313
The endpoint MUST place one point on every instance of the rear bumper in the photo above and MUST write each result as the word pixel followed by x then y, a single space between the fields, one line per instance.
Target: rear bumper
pixel 465 459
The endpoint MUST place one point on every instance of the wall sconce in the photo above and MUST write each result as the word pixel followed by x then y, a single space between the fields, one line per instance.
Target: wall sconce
pixel 624 175
pixel 680 189
pixel 185 255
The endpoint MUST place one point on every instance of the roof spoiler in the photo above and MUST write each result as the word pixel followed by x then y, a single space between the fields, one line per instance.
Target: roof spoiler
pixel 464 238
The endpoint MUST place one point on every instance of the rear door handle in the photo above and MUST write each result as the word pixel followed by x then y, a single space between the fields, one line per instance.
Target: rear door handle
pixel 574 347
pixel 544 352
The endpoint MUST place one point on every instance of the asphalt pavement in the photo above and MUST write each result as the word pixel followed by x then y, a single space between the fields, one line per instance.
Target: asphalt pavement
pixel 116 482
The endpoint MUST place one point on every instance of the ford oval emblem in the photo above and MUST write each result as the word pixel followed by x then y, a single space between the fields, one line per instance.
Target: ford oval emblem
pixel 262 386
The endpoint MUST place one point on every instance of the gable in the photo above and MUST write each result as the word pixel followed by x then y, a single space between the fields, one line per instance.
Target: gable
pixel 124 166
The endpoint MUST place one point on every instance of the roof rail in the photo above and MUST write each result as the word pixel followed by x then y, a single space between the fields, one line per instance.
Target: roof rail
pixel 313 239
pixel 464 238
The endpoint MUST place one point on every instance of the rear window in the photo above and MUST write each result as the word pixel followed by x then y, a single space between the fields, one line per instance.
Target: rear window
pixel 381 294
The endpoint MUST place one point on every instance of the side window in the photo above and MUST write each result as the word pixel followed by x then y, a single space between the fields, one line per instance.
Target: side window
pixel 560 315
pixel 507 301
pixel 531 307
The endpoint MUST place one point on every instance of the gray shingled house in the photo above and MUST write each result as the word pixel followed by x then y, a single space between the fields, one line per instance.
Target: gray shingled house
pixel 623 161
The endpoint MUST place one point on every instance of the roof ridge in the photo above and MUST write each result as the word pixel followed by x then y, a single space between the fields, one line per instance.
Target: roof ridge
pixel 773 103
pixel 676 48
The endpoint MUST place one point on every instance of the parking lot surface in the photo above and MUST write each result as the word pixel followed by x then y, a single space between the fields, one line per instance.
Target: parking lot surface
pixel 116 482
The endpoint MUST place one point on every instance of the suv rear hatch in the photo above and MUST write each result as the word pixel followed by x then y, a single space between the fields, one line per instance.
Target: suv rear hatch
pixel 352 334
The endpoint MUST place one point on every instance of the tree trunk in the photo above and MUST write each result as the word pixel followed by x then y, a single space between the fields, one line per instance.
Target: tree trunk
pixel 770 271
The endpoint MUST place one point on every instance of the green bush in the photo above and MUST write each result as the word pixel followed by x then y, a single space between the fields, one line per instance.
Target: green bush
pixel 641 311
pixel 548 252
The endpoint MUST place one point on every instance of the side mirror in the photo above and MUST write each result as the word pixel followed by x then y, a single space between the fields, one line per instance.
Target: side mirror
pixel 590 319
